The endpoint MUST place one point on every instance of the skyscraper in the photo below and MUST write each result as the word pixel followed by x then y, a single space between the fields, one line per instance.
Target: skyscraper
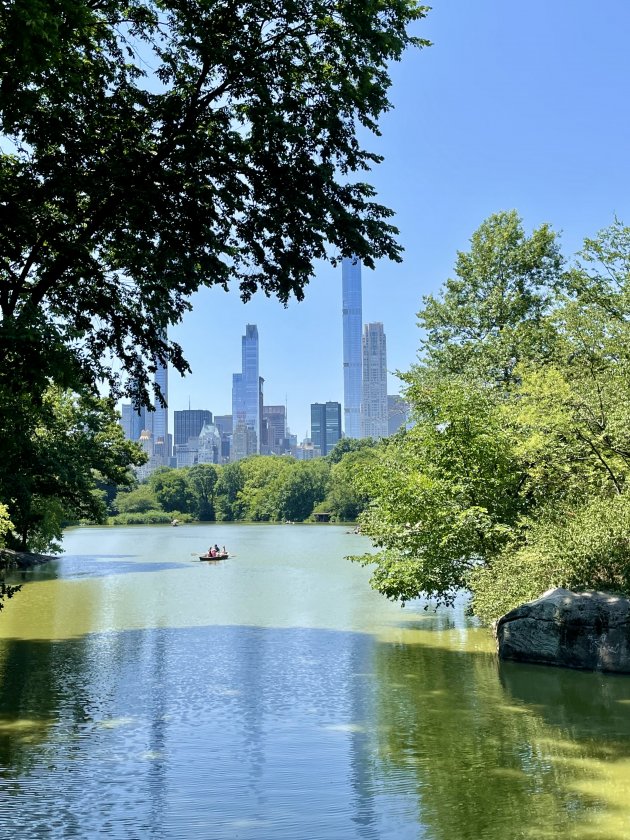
pixel 276 417
pixel 189 423
pixel 247 387
pixel 374 413
pixel 132 421
pixel 352 365
pixel 325 425
pixel 159 424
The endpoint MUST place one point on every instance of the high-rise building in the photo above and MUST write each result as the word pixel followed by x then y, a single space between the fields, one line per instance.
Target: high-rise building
pixel 146 444
pixel 325 425
pixel 189 423
pixel 224 423
pixel 243 442
pixel 160 415
pixel 132 421
pixel 209 451
pixel 186 453
pixel 306 451
pixel 276 417
pixel 150 426
pixel 333 425
pixel 352 358
pixel 374 395
pixel 247 387
pixel 238 399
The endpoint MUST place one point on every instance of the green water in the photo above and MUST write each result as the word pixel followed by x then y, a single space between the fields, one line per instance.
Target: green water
pixel 144 694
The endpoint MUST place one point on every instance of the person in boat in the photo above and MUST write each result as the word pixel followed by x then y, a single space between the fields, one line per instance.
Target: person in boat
pixel 216 550
pixel 211 552
pixel 224 551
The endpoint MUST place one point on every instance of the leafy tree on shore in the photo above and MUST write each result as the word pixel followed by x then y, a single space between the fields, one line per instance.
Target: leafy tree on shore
pixel 5 523
pixel 71 442
pixel 492 313
pixel 203 481
pixel 515 476
pixel 262 474
pixel 346 445
pixel 173 490
pixel 227 498
pixel 300 489
pixel 348 492
pixel 574 419
pixel 444 495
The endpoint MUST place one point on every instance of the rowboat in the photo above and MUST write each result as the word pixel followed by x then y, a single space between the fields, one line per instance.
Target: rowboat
pixel 216 556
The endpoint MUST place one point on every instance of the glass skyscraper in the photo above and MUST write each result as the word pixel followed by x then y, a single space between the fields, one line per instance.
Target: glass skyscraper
pixel 276 419
pixel 246 386
pixel 189 423
pixel 325 425
pixel 132 421
pixel 374 414
pixel 160 415
pixel 352 357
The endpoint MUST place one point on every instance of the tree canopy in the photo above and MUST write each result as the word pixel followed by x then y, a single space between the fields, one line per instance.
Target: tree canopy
pixel 150 148
pixel 260 488
pixel 69 443
pixel 514 478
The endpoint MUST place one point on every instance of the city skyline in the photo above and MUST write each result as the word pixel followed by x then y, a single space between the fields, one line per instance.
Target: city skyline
pixel 364 355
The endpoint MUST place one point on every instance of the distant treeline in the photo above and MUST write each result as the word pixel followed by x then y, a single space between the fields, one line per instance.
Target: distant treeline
pixel 262 488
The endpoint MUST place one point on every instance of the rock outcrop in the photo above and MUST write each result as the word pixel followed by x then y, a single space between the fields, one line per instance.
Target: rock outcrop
pixel 21 559
pixel 588 630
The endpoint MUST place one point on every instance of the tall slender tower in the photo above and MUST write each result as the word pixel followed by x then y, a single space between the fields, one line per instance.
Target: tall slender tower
pixel 352 365
pixel 374 413
pixel 161 439
pixel 247 387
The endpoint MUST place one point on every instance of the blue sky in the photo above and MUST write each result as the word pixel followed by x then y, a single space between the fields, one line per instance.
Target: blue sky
pixel 516 105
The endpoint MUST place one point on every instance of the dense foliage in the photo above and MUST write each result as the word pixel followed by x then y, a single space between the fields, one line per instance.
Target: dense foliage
pixel 70 444
pixel 256 489
pixel 514 478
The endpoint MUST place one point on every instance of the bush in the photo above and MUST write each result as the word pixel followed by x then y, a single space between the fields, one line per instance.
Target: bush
pixel 149 517
pixel 587 548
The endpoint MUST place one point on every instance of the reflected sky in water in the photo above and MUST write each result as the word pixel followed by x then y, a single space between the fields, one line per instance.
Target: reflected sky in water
pixel 145 694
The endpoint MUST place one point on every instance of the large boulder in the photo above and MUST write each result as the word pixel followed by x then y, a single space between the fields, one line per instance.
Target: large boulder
pixel 589 630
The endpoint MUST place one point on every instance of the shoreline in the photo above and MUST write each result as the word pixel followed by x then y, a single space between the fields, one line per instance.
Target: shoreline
pixel 10 559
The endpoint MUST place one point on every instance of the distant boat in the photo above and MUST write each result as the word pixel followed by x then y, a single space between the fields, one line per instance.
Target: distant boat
pixel 221 556
pixel 175 523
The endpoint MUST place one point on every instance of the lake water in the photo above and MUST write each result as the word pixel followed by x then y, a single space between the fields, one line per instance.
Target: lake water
pixel 144 694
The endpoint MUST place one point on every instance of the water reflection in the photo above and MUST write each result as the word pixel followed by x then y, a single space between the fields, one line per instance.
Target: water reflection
pixel 515 752
pixel 77 566
pixel 276 696
pixel 200 732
